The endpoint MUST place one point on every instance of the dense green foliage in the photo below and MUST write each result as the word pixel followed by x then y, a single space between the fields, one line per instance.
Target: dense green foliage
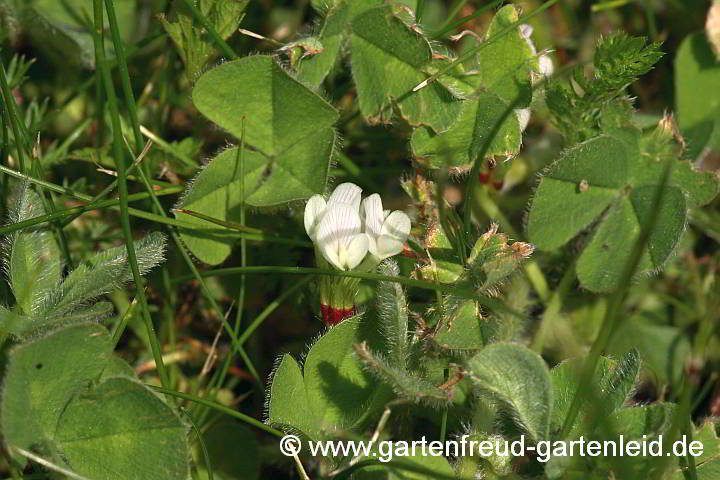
pixel 542 264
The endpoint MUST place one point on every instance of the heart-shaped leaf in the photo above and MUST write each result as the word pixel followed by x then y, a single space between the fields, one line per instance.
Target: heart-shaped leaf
pixel 611 180
pixel 333 392
pixel 273 106
pixel 289 159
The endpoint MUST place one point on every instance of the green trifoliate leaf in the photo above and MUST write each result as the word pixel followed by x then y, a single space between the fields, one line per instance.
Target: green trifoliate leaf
pixel 194 44
pixel 698 70
pixel 43 375
pixel 611 179
pixel 121 429
pixel 273 106
pixel 500 81
pixel 519 378
pixel 339 393
pixel 289 159
pixel 389 60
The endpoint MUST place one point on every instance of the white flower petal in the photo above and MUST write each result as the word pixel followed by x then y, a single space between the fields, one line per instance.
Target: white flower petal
pixel 372 244
pixel 388 246
pixel 394 232
pixel 356 251
pixel 337 228
pixel 348 193
pixel 313 211
pixel 332 256
pixel 523 116
pixel 373 212
pixel 545 65
pixel 526 30
pixel 396 225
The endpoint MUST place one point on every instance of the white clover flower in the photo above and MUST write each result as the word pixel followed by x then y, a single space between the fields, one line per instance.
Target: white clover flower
pixel 344 230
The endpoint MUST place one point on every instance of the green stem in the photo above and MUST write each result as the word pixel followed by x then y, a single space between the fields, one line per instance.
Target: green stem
pixel 124 74
pixel 95 204
pixel 11 109
pixel 419 11
pixel 75 211
pixel 449 27
pixel 203 286
pixel 119 155
pixel 488 302
pixel 553 308
pixel 165 146
pixel 220 408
